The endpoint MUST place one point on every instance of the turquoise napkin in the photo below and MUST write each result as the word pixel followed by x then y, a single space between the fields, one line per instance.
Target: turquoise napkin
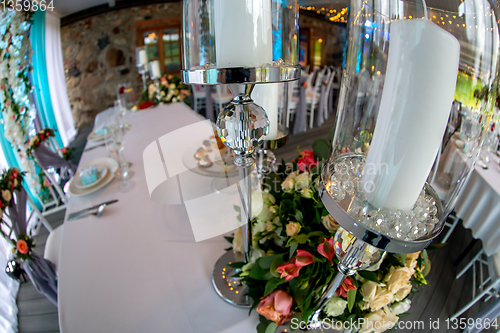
pixel 89 175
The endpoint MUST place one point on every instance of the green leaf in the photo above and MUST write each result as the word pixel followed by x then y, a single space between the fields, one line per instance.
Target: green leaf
pixel 266 262
pixel 229 239
pixel 271 328
pixel 272 284
pixel 274 265
pixel 299 216
pixel 237 264
pixel 293 248
pixel 321 149
pixel 237 208
pixel 330 133
pixel 370 276
pixel 403 258
pixel 298 318
pixel 351 298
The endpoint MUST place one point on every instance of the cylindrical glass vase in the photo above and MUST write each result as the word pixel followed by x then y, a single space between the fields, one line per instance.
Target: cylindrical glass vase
pixel 240 41
pixel 400 157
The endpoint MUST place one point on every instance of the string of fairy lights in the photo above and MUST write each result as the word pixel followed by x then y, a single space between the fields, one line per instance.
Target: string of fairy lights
pixel 333 15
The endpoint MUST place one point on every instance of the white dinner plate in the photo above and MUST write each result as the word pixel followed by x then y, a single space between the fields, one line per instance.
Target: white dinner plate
pixel 222 166
pixel 112 167
pixel 102 171
pixel 93 136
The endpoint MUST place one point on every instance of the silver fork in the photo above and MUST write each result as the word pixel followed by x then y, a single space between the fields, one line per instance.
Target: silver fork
pixel 97 212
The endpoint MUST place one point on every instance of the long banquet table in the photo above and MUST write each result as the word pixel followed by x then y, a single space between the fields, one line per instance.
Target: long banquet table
pixel 137 268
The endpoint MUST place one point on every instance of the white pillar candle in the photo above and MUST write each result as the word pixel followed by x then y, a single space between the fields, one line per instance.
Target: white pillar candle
pixel 155 69
pixel 143 58
pixel 266 95
pixel 243 33
pixel 420 82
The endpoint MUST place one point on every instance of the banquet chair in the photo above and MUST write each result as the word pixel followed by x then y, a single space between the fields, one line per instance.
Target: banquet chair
pixel 313 95
pixel 221 98
pixel 489 285
pixel 326 96
pixel 199 98
pixel 53 246
pixel 293 101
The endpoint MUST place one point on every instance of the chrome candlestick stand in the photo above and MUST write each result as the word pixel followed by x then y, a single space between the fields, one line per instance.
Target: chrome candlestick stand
pixel 251 52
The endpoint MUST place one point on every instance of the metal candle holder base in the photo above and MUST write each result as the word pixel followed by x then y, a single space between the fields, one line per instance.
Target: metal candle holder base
pixel 229 288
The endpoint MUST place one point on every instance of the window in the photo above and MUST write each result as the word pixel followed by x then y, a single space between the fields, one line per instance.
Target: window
pixel 163 43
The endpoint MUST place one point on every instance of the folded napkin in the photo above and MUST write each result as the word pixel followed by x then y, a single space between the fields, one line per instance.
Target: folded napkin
pixel 89 175
pixel 100 131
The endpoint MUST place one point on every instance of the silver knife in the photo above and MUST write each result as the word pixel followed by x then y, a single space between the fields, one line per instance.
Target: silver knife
pixel 83 211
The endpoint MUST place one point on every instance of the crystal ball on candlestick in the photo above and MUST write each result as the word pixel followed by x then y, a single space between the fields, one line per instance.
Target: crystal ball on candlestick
pixel 242 125
pixel 344 185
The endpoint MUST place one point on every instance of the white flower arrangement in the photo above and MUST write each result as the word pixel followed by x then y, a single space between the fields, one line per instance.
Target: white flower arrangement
pixel 15 65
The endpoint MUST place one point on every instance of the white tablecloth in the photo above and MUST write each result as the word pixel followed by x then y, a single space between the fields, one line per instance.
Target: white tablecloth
pixel 137 268
pixel 479 205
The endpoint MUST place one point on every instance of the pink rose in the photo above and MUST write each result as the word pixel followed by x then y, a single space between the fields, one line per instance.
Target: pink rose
pixel 22 246
pixel 2 86
pixel 276 306
pixel 64 150
pixel 7 102
pixel 303 258
pixel 326 249
pixel 288 270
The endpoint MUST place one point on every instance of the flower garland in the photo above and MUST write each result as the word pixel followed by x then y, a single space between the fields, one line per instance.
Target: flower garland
pixel 293 260
pixel 15 85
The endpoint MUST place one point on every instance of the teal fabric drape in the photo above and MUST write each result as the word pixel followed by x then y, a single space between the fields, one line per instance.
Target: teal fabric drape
pixel 41 89
pixel 11 158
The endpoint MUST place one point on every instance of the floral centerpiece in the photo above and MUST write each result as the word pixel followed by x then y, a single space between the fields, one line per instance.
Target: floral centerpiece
pixel 293 261
pixel 23 247
pixel 38 138
pixel 169 90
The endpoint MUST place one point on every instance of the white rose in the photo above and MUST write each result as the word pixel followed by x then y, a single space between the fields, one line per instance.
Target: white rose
pixel 335 306
pixel 379 321
pixel 369 291
pixel 288 185
pixel 397 278
pixel 403 292
pixel 401 307
pixel 238 241
pixel 302 181
pixel 268 198
pixel 292 229
pixel 6 195
pixel 382 298
pixel 330 223
pixel 306 193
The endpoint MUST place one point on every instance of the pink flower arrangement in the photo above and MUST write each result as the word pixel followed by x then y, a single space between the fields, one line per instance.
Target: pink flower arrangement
pixel 276 306
pixel 306 160
pixel 346 285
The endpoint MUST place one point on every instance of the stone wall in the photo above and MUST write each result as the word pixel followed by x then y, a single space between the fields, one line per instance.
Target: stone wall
pixel 99 54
